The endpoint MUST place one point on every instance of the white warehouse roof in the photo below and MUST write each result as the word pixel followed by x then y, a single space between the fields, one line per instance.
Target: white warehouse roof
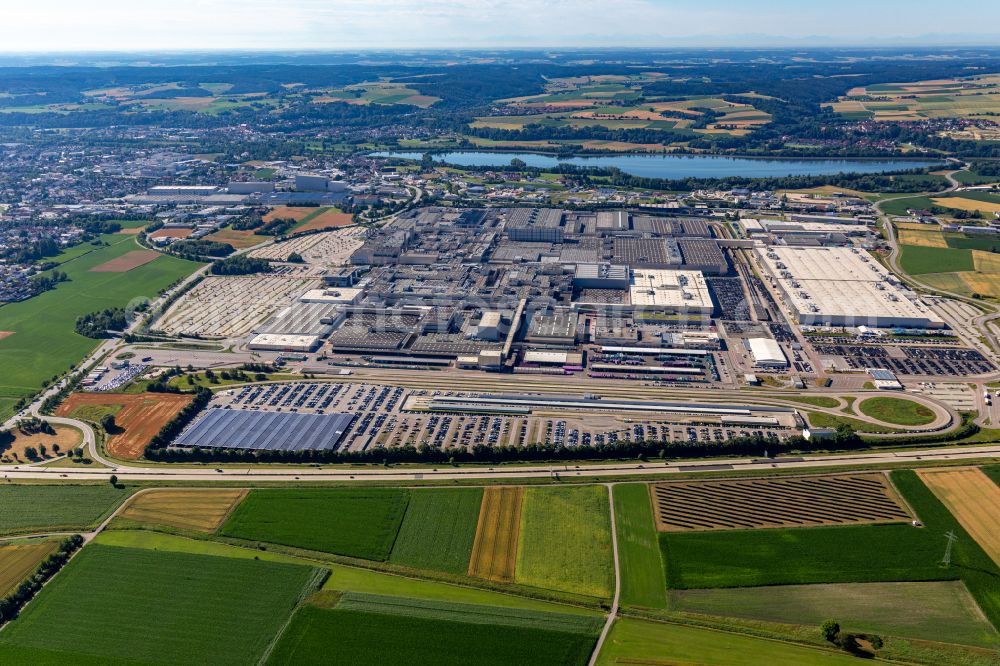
pixel 843 286
pixel 767 352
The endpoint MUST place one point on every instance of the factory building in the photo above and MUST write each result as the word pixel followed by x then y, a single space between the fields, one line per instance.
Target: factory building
pixel 601 276
pixel 842 286
pixel 313 183
pixel 250 187
pixel 674 291
pixel 554 329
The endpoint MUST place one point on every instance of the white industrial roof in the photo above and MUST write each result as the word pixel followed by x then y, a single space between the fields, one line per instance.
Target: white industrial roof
pixel 766 351
pixel 667 288
pixel 834 283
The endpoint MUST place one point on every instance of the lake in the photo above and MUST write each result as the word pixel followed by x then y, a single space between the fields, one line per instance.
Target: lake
pixel 676 167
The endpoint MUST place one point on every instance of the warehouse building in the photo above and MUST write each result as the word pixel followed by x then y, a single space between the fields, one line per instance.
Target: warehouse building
pixel 843 286
pixel 766 353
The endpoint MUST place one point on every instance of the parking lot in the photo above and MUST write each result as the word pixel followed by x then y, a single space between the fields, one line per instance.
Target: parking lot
pixel 383 420
pixel 910 360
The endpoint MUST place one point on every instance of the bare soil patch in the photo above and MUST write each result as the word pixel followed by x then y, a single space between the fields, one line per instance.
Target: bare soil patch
pixel 329 218
pixel 140 416
pixel 6 334
pixel 183 232
pixel 126 262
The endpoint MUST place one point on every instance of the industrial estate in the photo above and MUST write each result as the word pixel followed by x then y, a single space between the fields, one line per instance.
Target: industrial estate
pixel 343 362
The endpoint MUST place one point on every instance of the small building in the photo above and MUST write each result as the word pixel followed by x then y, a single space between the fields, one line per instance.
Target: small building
pixel 766 353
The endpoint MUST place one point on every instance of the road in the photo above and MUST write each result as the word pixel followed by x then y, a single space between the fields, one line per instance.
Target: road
pixel 346 474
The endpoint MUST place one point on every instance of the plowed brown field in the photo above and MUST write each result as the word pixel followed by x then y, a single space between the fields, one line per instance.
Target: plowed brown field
pixel 126 262
pixel 494 552
pixel 141 416
pixel 973 498
pixel 200 510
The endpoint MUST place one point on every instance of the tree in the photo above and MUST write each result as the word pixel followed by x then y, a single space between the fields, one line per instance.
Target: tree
pixel 30 452
pixel 517 163
pixel 830 630
pixel 295 258
pixel 108 423
pixel 114 480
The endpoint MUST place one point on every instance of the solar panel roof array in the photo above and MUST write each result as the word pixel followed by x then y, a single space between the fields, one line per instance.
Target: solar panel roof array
pixel 272 431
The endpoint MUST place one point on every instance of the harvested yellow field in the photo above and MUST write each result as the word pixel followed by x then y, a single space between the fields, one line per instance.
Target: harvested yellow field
pixel 494 552
pixel 19 561
pixel 961 203
pixel 983 284
pixel 922 238
pixel 973 498
pixel 986 262
pixel 199 510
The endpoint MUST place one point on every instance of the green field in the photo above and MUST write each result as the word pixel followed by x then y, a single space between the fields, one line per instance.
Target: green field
pixel 641 642
pixel 438 529
pixel 469 613
pixel 896 411
pixel 360 522
pixel 917 260
pixel 565 540
pixel 323 636
pixel 342 578
pixel 55 508
pixel 934 611
pixel 44 341
pixel 855 554
pixel 979 572
pixel 153 607
pixel 641 567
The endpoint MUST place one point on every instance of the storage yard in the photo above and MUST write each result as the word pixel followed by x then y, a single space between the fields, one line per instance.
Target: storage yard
pixel 227 307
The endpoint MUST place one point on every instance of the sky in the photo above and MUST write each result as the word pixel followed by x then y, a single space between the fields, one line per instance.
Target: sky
pixel 151 25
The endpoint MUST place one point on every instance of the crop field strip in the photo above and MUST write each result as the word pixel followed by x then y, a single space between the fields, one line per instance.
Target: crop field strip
pixel 565 540
pixel 974 499
pixel 771 503
pixel 494 551
pixel 38 508
pixel 439 529
pixel 641 565
pixel 199 510
pixel 131 605
pixel 18 561
pixel 930 610
pixel 354 522
pixel 469 613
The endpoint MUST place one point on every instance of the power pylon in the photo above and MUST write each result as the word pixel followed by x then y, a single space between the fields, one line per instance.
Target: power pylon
pixel 952 538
